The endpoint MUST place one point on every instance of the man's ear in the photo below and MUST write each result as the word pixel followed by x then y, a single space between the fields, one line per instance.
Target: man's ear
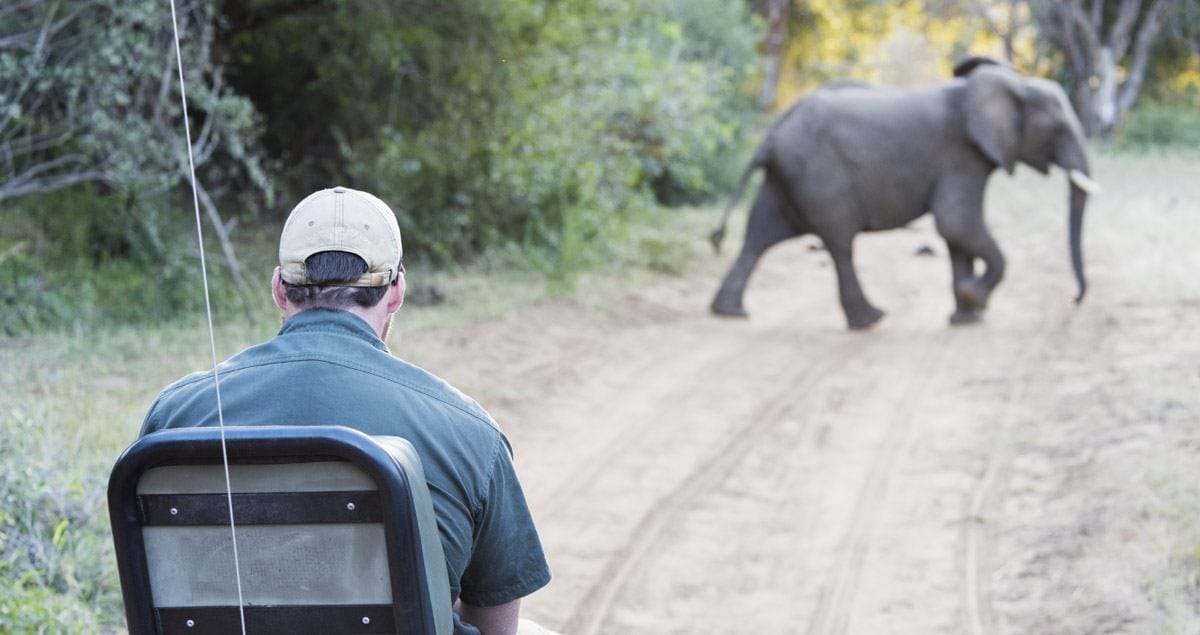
pixel 396 299
pixel 277 290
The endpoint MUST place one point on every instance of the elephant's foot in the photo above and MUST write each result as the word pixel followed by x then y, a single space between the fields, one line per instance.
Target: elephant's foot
pixel 965 316
pixel 863 319
pixel 972 293
pixel 727 305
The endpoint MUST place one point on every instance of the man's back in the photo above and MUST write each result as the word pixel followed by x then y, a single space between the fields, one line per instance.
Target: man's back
pixel 330 368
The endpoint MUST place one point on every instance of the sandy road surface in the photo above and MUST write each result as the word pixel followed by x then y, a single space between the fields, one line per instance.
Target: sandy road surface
pixel 697 475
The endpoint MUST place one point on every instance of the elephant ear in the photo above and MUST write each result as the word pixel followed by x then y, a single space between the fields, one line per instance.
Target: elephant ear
pixel 993 113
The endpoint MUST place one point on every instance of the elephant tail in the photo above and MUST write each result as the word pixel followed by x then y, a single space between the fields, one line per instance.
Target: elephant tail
pixel 757 161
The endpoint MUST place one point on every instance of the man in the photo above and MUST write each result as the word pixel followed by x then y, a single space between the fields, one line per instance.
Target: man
pixel 339 282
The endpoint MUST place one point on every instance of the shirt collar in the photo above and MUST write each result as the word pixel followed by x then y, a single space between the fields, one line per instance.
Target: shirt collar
pixel 331 321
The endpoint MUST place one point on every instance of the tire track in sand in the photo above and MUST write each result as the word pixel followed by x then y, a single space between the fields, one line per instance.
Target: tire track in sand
pixel 600 600
pixel 836 596
pixel 979 533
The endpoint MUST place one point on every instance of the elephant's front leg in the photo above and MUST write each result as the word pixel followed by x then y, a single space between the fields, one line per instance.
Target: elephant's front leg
pixel 962 269
pixel 860 314
pixel 972 291
pixel 958 212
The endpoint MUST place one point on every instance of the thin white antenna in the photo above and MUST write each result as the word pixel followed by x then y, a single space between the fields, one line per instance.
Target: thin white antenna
pixel 212 340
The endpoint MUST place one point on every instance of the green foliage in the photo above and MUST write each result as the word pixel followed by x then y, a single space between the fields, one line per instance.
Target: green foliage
pixel 72 258
pixel 528 126
pixel 93 158
pixel 543 125
pixel 535 127
pixel 1161 125
pixel 89 93
pixel 53 578
pixel 33 609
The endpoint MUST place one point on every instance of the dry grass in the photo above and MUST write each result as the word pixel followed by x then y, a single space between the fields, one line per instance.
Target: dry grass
pixel 1141 246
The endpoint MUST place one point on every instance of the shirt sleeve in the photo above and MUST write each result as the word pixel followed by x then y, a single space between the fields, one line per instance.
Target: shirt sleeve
pixel 507 562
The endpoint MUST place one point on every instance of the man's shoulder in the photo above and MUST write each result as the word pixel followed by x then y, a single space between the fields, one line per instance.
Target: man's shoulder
pixel 381 377
pixel 420 382
pixel 371 378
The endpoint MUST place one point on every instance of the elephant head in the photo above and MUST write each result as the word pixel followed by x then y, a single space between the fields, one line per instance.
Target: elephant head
pixel 1014 118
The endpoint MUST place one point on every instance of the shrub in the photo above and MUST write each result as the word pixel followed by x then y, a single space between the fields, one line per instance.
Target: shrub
pixel 55 571
pixel 75 257
pixel 1161 124
pixel 516 122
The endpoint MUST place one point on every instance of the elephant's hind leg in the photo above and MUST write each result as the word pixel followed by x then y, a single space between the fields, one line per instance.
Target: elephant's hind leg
pixel 766 227
pixel 860 314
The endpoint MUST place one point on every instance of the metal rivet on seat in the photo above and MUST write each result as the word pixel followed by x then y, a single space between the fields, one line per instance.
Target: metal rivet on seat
pixel 174 511
pixel 366 620
pixel 350 506
pixel 191 623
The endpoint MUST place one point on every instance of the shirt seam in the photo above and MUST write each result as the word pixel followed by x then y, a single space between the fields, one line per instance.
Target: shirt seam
pixel 344 364
pixel 338 330
pixel 491 478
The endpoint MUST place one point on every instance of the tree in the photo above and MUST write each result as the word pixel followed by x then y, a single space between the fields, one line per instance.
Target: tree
pixel 39 120
pixel 89 95
pixel 510 122
pixel 778 14
pixel 1004 19
pixel 88 92
pixel 1107 47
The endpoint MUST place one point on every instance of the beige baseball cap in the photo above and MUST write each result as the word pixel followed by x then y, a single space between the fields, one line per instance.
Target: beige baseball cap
pixel 342 219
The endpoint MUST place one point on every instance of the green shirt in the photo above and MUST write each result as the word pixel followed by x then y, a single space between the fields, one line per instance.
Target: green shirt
pixel 330 368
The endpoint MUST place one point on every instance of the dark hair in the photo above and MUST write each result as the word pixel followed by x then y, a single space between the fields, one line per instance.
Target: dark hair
pixel 328 271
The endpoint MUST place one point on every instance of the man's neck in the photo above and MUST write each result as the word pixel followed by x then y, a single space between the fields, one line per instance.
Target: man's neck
pixel 379 321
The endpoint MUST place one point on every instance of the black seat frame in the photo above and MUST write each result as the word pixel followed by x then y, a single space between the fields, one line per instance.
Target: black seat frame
pixel 412 609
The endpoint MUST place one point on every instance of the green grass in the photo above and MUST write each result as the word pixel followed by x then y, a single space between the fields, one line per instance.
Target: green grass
pixel 1155 126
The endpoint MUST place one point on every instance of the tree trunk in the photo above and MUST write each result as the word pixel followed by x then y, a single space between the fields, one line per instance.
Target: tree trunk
pixel 1005 29
pixel 777 27
pixel 1151 27
pixel 1096 57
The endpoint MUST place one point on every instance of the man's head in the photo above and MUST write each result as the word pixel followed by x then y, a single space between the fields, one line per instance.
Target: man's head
pixel 340 249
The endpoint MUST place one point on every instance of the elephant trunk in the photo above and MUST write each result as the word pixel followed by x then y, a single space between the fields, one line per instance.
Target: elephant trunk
pixel 1078 202
pixel 1070 155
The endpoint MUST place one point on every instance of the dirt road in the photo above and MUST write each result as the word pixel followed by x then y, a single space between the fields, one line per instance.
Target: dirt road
pixel 783 475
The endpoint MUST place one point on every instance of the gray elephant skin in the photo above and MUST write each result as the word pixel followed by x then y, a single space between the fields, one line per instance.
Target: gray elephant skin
pixel 850 158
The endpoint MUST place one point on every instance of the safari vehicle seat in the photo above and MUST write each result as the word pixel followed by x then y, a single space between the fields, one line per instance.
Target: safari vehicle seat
pixel 335 533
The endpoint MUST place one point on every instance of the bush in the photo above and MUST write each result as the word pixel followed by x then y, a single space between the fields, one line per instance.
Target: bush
pixel 78 258
pixel 55 571
pixel 1162 125
pixel 544 126
pixel 586 122
pixel 529 127
pixel 34 609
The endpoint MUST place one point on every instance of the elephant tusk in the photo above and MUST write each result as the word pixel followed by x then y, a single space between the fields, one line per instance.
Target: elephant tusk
pixel 1084 182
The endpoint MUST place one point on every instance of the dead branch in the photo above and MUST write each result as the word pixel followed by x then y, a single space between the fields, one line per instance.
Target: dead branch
pixel 231 261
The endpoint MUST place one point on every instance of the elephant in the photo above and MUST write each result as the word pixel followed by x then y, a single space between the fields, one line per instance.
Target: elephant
pixel 850 157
